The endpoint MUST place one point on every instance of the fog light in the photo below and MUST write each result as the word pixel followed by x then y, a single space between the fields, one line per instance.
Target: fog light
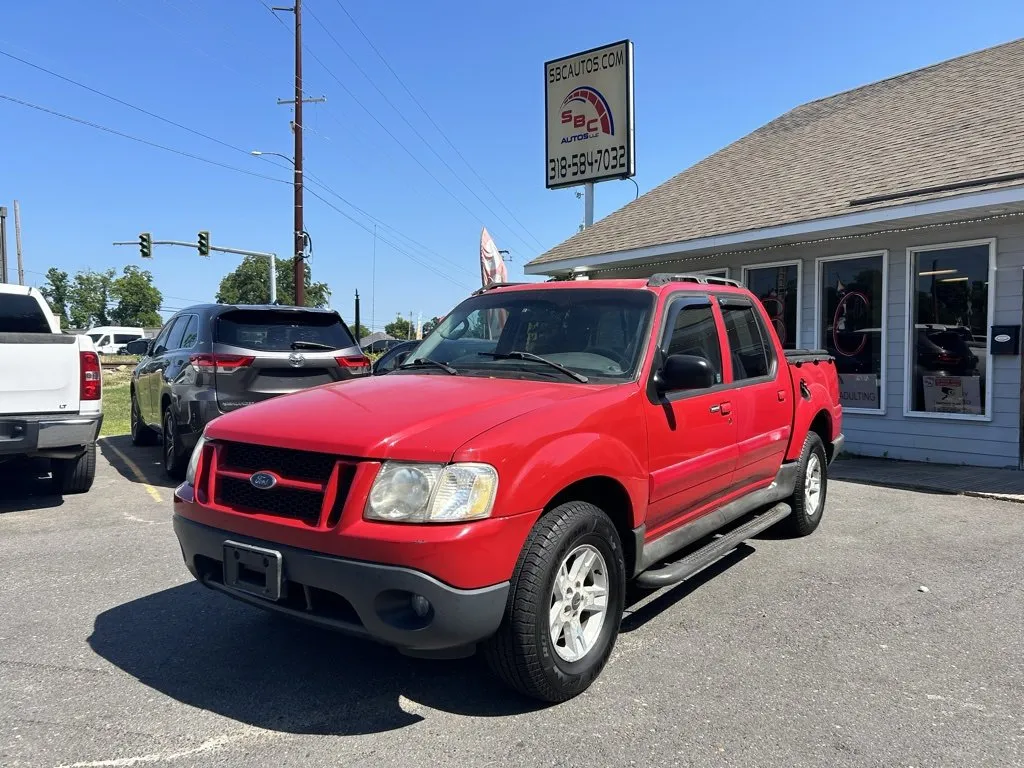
pixel 420 605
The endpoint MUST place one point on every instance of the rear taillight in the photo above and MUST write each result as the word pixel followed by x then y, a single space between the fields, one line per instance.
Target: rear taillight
pixel 355 364
pixel 219 363
pixel 91 382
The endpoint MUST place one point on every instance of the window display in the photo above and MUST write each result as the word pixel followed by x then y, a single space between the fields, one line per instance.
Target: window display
pixel 850 326
pixel 949 350
pixel 778 288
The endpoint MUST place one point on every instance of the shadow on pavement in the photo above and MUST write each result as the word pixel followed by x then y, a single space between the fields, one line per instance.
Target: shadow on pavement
pixel 26 485
pixel 147 460
pixel 638 612
pixel 207 651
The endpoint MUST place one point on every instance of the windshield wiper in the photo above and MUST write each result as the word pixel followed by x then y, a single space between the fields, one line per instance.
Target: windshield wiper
pixel 421 362
pixel 515 355
pixel 312 345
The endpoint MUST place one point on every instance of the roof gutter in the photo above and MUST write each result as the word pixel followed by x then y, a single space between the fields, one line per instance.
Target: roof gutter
pixel 800 229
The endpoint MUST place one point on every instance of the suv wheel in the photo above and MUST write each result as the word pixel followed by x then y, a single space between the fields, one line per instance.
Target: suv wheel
pixel 808 499
pixel 74 475
pixel 174 461
pixel 564 607
pixel 141 434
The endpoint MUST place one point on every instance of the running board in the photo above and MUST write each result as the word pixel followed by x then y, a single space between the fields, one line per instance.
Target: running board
pixel 718 548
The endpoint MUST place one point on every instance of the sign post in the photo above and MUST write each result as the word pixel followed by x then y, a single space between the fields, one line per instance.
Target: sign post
pixel 588 119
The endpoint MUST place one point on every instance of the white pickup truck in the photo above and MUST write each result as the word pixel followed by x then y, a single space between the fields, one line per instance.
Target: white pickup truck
pixel 50 387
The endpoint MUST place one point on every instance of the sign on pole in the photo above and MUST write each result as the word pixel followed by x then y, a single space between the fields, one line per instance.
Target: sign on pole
pixel 588 116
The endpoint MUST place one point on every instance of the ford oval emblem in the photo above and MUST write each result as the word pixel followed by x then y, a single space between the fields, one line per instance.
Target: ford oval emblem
pixel 1002 338
pixel 263 480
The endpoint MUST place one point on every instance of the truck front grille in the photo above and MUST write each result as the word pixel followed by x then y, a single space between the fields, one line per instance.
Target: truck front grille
pixel 311 488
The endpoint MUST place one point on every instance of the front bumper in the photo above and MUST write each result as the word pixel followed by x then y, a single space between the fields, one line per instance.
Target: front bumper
pixel 32 434
pixel 359 598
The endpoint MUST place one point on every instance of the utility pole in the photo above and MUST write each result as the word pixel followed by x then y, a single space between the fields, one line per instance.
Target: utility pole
pixel 3 243
pixel 300 229
pixel 17 242
pixel 356 329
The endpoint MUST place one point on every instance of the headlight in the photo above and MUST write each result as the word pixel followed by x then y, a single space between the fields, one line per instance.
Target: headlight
pixel 432 493
pixel 193 463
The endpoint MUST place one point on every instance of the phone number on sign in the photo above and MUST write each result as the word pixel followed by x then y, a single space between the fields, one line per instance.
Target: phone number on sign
pixel 581 163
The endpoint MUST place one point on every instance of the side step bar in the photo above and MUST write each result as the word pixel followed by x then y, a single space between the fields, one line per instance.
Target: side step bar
pixel 715 550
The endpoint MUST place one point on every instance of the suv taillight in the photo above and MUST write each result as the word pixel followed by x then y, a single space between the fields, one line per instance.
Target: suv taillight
pixel 91 381
pixel 357 364
pixel 219 363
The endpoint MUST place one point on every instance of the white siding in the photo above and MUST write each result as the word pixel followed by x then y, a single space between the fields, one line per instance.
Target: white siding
pixel 995 443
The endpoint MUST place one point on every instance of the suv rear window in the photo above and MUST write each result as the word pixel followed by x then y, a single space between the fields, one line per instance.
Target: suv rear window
pixel 21 314
pixel 274 331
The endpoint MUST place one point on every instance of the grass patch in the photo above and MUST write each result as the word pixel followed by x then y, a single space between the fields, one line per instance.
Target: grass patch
pixel 120 359
pixel 117 404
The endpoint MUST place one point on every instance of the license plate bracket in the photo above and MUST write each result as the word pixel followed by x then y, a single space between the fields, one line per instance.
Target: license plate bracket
pixel 253 570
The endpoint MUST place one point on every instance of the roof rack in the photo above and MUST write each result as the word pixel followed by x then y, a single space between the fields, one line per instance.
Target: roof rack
pixel 492 286
pixel 663 278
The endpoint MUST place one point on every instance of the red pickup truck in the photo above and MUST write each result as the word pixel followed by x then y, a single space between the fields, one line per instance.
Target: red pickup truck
pixel 545 445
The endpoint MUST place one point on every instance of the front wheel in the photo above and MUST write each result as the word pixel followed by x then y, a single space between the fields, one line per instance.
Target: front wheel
pixel 808 499
pixel 565 605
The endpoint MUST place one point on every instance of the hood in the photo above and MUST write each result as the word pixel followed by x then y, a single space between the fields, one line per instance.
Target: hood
pixel 413 417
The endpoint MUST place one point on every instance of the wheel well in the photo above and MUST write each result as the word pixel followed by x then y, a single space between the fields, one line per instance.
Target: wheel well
pixel 610 496
pixel 822 426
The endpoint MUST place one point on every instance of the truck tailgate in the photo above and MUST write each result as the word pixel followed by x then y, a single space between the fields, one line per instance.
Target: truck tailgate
pixel 38 373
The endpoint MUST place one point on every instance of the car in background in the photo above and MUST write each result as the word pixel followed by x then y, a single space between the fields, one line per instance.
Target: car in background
pixel 446 351
pixel 393 357
pixel 211 359
pixel 112 339
pixel 378 346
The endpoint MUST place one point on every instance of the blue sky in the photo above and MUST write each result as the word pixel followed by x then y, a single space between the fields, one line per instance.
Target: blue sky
pixel 706 74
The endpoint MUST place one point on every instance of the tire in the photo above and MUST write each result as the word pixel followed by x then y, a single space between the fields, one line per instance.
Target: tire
pixel 523 653
pixel 74 475
pixel 174 461
pixel 141 434
pixel 808 507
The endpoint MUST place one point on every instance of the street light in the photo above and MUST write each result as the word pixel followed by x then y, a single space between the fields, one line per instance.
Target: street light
pixel 258 153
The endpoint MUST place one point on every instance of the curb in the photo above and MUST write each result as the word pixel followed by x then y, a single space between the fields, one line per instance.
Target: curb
pixel 921 488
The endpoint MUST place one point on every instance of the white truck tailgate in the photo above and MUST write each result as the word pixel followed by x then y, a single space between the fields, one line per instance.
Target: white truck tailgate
pixel 38 374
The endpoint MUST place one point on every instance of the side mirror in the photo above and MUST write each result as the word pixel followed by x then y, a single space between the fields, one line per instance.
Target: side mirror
pixel 138 347
pixel 685 372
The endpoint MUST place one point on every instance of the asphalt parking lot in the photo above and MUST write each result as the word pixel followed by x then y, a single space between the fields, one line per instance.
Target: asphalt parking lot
pixel 821 651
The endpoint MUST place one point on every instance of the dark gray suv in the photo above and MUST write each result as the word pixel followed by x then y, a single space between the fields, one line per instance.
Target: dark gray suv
pixel 215 358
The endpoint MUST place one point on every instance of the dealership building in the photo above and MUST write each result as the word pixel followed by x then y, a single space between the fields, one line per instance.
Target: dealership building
pixel 885 225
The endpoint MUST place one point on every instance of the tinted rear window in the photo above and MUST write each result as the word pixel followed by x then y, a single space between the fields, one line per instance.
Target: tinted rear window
pixel 279 331
pixel 21 314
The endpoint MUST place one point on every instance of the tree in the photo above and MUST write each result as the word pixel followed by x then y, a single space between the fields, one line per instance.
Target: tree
pixel 138 300
pixel 361 332
pixel 400 328
pixel 90 297
pixel 249 283
pixel 58 294
pixel 430 325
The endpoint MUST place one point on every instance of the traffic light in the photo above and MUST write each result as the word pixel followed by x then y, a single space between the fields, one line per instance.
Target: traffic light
pixel 146 245
pixel 204 243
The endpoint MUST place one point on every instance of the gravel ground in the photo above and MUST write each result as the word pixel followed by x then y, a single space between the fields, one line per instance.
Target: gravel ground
pixel 817 652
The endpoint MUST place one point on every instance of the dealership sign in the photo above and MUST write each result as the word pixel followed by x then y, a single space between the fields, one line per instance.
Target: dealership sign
pixel 588 116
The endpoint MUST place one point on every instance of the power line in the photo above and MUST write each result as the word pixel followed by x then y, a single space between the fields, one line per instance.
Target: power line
pixel 434 123
pixel 123 102
pixel 400 250
pixel 114 132
pixel 413 128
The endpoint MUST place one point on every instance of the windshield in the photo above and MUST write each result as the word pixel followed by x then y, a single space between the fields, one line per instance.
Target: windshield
pixel 597 332
pixel 95 337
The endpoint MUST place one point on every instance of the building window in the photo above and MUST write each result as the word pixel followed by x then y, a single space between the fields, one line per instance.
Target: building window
pixel 950 303
pixel 851 320
pixel 778 287
pixel 724 272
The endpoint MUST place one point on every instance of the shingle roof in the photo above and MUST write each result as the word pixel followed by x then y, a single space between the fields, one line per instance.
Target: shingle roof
pixel 959 120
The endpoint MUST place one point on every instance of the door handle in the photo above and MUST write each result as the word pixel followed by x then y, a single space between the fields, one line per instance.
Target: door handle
pixel 715 408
